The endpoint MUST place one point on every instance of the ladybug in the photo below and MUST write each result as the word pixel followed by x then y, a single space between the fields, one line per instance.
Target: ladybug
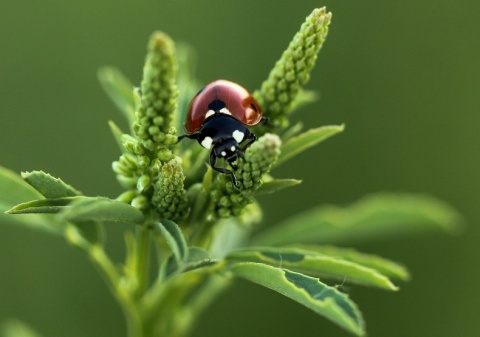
pixel 218 117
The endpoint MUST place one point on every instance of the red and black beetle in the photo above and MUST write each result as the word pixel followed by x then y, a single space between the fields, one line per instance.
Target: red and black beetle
pixel 218 117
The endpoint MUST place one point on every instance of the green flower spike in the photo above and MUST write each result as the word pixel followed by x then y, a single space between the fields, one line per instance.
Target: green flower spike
pixel 158 95
pixel 278 95
pixel 258 159
pixel 169 197
pixel 148 151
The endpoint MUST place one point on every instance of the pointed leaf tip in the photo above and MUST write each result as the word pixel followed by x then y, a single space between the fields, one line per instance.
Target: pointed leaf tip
pixel 13 191
pixel 306 140
pixel 43 206
pixel 174 237
pixel 120 91
pixel 49 186
pixel 276 185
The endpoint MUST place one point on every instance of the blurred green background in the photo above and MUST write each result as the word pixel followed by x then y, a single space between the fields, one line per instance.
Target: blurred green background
pixel 404 77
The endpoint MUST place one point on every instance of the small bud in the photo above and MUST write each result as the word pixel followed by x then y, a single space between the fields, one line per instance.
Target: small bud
pixel 143 183
pixel 170 139
pixel 165 155
pixel 119 168
pixel 127 182
pixel 156 165
pixel 127 196
pixel 143 161
pixel 130 162
pixel 140 202
pixel 158 120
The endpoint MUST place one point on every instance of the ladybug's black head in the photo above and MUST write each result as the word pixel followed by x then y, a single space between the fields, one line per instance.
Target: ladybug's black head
pixel 227 149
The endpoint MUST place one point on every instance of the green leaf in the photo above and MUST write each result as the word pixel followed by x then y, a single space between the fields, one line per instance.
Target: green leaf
pixel 13 191
pixel 291 132
pixel 16 328
pixel 306 140
pixel 314 264
pixel 175 240
pixel 231 233
pixel 117 134
pixel 276 185
pixel 102 209
pixel 120 91
pixel 198 197
pixel 304 97
pixel 376 216
pixel 185 292
pixel 43 205
pixel 91 231
pixel 308 291
pixel 383 266
pixel 86 235
pixel 196 258
pixel 48 186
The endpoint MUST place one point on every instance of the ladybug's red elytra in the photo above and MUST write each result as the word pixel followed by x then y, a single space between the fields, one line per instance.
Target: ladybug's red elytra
pixel 218 117
pixel 225 97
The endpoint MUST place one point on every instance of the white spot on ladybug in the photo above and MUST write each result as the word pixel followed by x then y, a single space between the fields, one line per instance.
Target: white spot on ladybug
pixel 238 136
pixel 207 142
pixel 225 111
pixel 223 153
pixel 209 113
pixel 232 149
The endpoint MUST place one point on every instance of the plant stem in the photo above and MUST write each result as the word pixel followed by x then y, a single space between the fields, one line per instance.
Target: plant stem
pixel 142 240
pixel 127 299
pixel 106 267
pixel 113 280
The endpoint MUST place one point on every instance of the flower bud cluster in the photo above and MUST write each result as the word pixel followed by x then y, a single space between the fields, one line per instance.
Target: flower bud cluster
pixel 148 166
pixel 159 93
pixel 278 93
pixel 231 201
pixel 127 170
pixel 169 196
pixel 136 172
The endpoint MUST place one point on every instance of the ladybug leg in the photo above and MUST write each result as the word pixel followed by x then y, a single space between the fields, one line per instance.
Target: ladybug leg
pixel 213 160
pixel 251 138
pixel 192 136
